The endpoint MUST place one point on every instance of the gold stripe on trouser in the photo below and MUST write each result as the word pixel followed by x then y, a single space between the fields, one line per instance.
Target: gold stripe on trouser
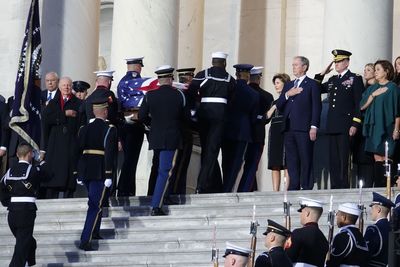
pixel 94 152
pixel 98 213
pixel 169 176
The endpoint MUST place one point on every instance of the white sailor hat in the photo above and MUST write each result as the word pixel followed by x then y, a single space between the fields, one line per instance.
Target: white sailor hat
pixel 165 71
pixel 256 70
pixel 135 60
pixel 236 250
pixel 219 55
pixel 107 73
pixel 308 202
pixel 349 208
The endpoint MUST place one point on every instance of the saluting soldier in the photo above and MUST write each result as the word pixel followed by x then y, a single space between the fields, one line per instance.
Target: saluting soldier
pixel 344 115
pixel 236 256
pixel 242 115
pixel 348 246
pixel 275 238
pixel 255 148
pixel 213 87
pixel 132 132
pixel 308 245
pixel 165 108
pixel 21 182
pixel 98 143
pixel 377 235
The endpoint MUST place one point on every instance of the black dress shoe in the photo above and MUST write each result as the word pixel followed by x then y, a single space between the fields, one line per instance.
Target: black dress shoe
pixel 157 212
pixel 170 201
pixel 86 246
pixel 97 237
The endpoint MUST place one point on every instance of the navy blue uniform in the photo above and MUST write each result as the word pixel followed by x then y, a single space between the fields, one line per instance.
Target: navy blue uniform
pixel 377 238
pixel 98 143
pixel 242 115
pixel 275 257
pixel 22 182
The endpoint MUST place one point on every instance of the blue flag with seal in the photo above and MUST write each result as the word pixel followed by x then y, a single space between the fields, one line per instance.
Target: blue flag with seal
pixel 25 116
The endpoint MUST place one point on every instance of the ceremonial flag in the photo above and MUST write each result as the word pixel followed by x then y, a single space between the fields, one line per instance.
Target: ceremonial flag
pixel 25 116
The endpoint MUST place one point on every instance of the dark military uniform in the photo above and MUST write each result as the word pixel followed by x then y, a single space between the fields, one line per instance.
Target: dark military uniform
pixel 242 115
pixel 165 108
pixel 255 148
pixel 275 257
pixel 308 245
pixel 348 248
pixel 98 143
pixel 22 182
pixel 214 87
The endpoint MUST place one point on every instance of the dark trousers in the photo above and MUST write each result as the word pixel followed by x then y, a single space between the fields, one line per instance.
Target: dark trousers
pixel 232 160
pixel 209 180
pixel 155 162
pixel 132 139
pixel 248 182
pixel 97 194
pixel 299 155
pixel 21 223
pixel 165 170
pixel 339 151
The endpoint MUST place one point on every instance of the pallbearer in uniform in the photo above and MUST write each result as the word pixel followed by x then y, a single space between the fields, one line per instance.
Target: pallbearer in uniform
pixel 255 148
pixel 165 108
pixel 80 89
pixel 275 238
pixel 213 87
pixel 241 116
pixel 98 143
pixel 377 235
pixel 308 245
pixel 236 256
pixel 348 245
pixel 344 115
pixel 21 182
pixel 132 132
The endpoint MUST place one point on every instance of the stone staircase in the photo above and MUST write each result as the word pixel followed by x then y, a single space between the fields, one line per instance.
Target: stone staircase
pixel 183 238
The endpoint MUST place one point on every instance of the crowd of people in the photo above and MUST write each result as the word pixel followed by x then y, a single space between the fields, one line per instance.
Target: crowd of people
pixel 81 135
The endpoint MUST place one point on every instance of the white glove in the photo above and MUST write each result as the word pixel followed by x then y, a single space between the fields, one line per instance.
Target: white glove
pixel 128 119
pixel 107 182
pixel 79 182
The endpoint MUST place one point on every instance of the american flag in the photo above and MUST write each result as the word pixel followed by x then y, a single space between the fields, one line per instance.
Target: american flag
pixel 131 92
pixel 25 116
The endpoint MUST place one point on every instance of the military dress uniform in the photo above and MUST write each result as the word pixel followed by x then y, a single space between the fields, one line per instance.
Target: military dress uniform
pixel 242 115
pixel 98 143
pixel 377 235
pixel 22 182
pixel 214 88
pixel 344 93
pixel 164 107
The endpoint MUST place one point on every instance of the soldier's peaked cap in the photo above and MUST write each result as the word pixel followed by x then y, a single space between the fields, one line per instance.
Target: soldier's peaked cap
pixel 165 71
pixel 256 70
pixel 339 55
pixel 308 202
pixel 219 55
pixel 185 71
pixel 236 250
pixel 243 67
pixel 80 86
pixel 100 102
pixel 378 199
pixel 135 60
pixel 277 229
pixel 106 73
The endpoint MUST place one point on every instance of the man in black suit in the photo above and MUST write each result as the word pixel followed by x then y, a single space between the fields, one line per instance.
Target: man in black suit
pixel 165 108
pixel 344 115
pixel 51 83
pixel 213 88
pixel 300 103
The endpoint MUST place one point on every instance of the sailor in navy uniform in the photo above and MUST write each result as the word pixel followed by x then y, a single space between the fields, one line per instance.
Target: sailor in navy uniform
pixel 308 245
pixel 132 132
pixel 236 256
pixel 242 115
pixel 377 235
pixel 213 88
pixel 275 238
pixel 21 182
pixel 348 245
pixel 344 115
pixel 255 148
pixel 98 143
pixel 165 108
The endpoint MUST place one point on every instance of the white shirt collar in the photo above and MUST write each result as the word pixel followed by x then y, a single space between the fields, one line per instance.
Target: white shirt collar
pixel 301 78
pixel 343 72
pixel 23 161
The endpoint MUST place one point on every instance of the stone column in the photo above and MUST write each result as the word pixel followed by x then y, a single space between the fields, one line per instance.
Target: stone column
pixel 396 29
pixel 363 27
pixel 70 38
pixel 13 16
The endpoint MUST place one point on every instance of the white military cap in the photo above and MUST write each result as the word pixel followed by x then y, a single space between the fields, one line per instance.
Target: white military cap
pixel 308 202
pixel 164 71
pixel 256 70
pixel 107 73
pixel 349 208
pixel 219 55
pixel 236 250
pixel 135 60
